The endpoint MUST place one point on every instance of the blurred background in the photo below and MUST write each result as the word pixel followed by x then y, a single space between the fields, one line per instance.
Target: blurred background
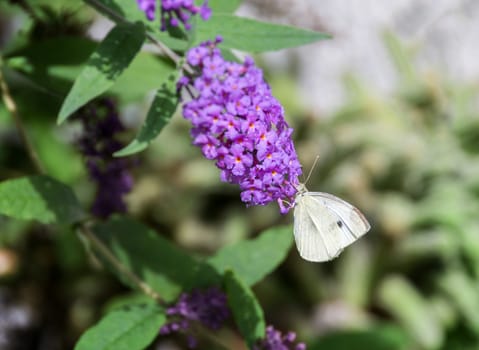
pixel 390 105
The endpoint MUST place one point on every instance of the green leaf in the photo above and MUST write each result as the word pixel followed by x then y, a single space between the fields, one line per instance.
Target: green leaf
pixel 155 260
pixel 118 302
pixel 223 6
pixel 228 55
pixel 74 50
pixel 52 63
pixel 145 73
pixel 253 259
pixel 246 309
pixel 161 111
pixel 412 311
pixel 253 36
pixel 132 327
pixel 104 66
pixel 38 62
pixel 385 337
pixel 464 294
pixel 354 275
pixel 52 151
pixel 39 198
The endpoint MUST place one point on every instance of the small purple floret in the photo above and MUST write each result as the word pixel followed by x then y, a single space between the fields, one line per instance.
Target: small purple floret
pixel 148 7
pixel 274 340
pixel 174 12
pixel 238 123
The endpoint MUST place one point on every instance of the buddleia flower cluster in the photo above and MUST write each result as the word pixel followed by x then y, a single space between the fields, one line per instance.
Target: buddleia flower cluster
pixel 174 12
pixel 208 307
pixel 240 125
pixel 98 141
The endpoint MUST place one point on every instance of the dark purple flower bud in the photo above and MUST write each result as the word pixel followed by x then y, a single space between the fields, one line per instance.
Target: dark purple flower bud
pixel 274 340
pixel 174 12
pixel 238 123
pixel 97 143
pixel 208 307
pixel 182 82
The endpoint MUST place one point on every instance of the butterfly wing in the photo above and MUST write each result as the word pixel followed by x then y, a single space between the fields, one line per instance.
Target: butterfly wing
pixel 324 225
pixel 353 223
pixel 315 230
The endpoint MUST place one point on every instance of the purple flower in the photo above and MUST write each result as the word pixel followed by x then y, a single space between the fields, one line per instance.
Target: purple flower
pixel 174 12
pixel 238 123
pixel 274 340
pixel 208 307
pixel 97 144
pixel 148 7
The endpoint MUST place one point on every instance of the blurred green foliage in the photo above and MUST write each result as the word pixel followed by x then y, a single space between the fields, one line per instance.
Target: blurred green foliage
pixel 383 337
pixel 410 161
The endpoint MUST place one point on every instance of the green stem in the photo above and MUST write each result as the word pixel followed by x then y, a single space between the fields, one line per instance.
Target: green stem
pixel 111 258
pixel 13 110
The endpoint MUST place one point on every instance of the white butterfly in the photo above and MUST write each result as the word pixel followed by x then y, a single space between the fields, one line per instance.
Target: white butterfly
pixel 324 225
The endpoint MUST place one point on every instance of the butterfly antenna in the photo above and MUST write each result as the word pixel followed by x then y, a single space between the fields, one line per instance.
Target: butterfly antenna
pixel 312 168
